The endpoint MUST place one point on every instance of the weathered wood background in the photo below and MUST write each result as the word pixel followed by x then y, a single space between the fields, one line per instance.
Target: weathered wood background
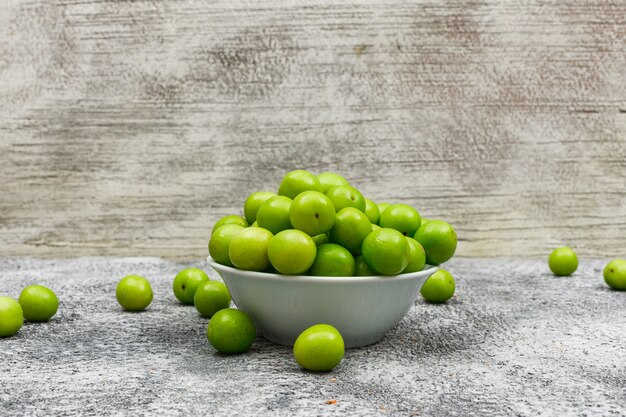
pixel 130 127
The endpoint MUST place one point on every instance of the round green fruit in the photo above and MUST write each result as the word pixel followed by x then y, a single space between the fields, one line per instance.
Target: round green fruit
pixel 219 244
pixel 439 287
pixel 312 212
pixel 344 196
pixel 133 293
pixel 439 241
pixel 319 348
pixel 292 252
pixel 248 250
pixel 330 179
pixel 371 211
pixel 404 218
pixel 231 219
pixel 38 303
pixel 11 316
pixel 615 274
pixel 417 257
pixel 273 214
pixel 350 229
pixel 386 251
pixel 297 182
pixel 211 297
pixel 332 261
pixel 361 269
pixel 563 261
pixel 253 202
pixel 231 331
pixel 186 282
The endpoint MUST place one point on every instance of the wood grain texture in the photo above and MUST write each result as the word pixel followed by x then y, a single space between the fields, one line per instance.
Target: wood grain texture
pixel 130 127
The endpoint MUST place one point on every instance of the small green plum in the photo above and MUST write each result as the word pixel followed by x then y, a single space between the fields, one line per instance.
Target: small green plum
pixel 439 287
pixel 292 252
pixel 298 181
pixel 439 241
pixel 211 297
pixel 417 257
pixel 344 196
pixel 319 348
pixel 350 229
pixel 402 217
pixel 38 303
pixel 615 274
pixel 248 250
pixel 361 269
pixel 231 331
pixel 133 293
pixel 11 316
pixel 371 211
pixel 332 260
pixel 253 202
pixel 273 214
pixel 186 282
pixel 312 212
pixel 231 219
pixel 563 261
pixel 386 251
pixel 330 179
pixel 219 243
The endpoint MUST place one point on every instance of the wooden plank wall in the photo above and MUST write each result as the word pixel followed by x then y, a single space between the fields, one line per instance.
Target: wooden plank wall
pixel 130 127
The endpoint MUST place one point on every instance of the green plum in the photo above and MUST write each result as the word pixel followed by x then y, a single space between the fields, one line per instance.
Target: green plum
pixel 211 297
pixel 439 241
pixel 231 331
pixel 248 250
pixel 133 293
pixel 382 207
pixel 371 211
pixel 253 202
pixel 312 212
pixel 361 269
pixel 344 196
pixel 273 214
pixel 292 252
pixel 563 261
pixel 404 218
pixel 615 274
pixel 330 179
pixel 219 243
pixel 186 282
pixel 332 260
pixel 351 227
pixel 417 256
pixel 319 348
pixel 231 219
pixel 38 303
pixel 298 181
pixel 321 239
pixel 439 287
pixel 11 316
pixel 386 251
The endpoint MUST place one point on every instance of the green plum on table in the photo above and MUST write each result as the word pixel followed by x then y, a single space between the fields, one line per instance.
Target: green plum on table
pixel 133 293
pixel 615 274
pixel 320 348
pixel 231 331
pixel 11 316
pixel 211 297
pixel 439 287
pixel 186 282
pixel 38 303
pixel 563 261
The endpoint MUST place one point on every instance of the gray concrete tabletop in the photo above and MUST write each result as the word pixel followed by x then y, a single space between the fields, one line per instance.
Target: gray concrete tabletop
pixel 514 340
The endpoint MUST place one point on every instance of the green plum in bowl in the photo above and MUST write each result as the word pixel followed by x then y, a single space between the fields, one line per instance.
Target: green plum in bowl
pixel 362 308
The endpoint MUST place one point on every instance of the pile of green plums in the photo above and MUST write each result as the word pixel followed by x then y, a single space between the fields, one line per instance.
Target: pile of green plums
pixel 321 225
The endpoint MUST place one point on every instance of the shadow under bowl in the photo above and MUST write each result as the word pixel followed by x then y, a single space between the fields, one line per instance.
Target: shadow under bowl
pixel 363 309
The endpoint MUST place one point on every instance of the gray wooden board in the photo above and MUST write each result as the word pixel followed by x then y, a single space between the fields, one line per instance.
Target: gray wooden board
pixel 514 340
pixel 130 127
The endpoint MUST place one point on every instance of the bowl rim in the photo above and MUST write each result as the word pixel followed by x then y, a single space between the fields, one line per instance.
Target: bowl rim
pixel 427 271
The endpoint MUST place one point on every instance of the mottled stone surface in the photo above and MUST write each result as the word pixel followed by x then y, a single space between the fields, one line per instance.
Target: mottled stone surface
pixel 513 341
pixel 131 127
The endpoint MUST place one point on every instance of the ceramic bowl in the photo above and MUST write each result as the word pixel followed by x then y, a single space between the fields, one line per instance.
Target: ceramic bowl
pixel 361 308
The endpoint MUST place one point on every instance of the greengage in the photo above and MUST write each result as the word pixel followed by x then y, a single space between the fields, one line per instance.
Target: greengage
pixel 38 303
pixel 563 261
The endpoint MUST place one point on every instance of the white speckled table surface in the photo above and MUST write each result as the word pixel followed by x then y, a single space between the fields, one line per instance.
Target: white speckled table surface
pixel 513 341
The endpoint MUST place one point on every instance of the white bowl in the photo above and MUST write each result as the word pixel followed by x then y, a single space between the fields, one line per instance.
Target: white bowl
pixel 361 308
